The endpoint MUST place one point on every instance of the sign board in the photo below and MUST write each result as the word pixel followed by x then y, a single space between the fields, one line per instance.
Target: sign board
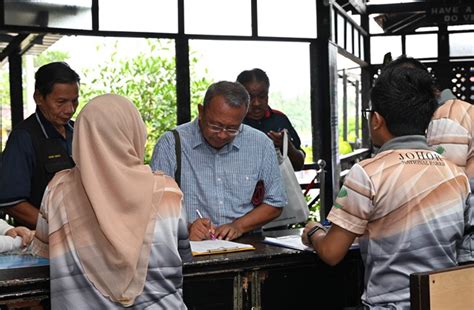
pixel 451 13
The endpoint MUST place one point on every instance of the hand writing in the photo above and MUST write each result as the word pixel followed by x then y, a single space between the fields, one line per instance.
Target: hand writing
pixel 201 229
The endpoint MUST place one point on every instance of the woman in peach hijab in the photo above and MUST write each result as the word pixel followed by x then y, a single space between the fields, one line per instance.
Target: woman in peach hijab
pixel 114 230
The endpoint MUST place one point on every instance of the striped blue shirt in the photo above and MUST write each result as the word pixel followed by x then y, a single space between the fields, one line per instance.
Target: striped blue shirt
pixel 220 183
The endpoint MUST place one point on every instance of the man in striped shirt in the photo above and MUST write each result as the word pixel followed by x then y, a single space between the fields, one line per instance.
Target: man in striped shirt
pixel 407 204
pixel 221 162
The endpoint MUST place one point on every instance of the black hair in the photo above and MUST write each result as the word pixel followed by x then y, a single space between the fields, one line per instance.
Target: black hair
pixel 405 61
pixel 255 74
pixel 53 73
pixel 234 94
pixel 404 96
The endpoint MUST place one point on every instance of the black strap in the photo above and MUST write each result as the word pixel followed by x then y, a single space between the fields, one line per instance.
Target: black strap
pixel 177 147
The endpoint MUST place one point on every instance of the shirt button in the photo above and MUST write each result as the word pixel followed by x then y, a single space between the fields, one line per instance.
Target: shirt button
pixel 221 202
pixel 218 179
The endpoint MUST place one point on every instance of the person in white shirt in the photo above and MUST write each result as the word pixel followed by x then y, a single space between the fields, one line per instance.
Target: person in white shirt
pixel 14 238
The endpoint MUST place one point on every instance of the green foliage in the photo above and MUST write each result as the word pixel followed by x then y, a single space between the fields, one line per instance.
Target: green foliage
pixel 50 56
pixel 314 212
pixel 296 108
pixel 308 149
pixel 344 147
pixel 148 80
pixel 4 88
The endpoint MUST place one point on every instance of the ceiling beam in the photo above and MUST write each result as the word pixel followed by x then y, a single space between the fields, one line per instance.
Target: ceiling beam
pixel 19 45
pixel 6 37
pixel 406 7
pixel 402 23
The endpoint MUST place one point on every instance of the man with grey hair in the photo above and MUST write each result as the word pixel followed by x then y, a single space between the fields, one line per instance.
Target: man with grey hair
pixel 222 161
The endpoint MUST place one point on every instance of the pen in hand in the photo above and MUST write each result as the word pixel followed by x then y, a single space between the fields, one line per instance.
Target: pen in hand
pixel 213 236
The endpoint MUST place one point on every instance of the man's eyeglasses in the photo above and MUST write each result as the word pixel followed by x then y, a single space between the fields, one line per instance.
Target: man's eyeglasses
pixel 229 131
pixel 365 113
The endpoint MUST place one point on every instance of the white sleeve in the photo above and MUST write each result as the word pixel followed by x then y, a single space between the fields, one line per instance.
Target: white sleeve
pixel 4 227
pixel 8 243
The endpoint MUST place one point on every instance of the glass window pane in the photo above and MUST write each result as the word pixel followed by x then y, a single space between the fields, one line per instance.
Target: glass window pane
pixel 282 18
pixel 352 72
pixel 422 45
pixel 333 26
pixel 218 17
pixel 381 45
pixel 460 27
pixel 349 38
pixel 426 29
pixel 340 30
pixel 460 44
pixel 71 14
pixel 354 17
pixel 140 15
pixel 356 43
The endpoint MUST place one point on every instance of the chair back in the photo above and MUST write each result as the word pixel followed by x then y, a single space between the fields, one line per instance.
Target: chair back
pixel 443 289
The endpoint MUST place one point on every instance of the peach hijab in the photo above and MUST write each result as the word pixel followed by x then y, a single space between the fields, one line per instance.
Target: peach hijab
pixel 109 205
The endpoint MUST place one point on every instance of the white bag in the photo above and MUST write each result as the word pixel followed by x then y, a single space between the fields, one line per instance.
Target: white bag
pixel 297 210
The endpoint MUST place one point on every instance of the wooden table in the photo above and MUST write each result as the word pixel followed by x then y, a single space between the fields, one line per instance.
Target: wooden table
pixel 269 277
pixel 272 278
pixel 24 282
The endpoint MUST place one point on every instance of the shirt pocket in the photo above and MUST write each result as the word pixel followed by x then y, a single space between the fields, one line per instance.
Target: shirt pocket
pixel 242 187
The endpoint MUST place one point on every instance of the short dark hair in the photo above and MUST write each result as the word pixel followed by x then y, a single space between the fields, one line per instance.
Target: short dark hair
pixel 52 73
pixel 404 96
pixel 234 93
pixel 405 61
pixel 256 74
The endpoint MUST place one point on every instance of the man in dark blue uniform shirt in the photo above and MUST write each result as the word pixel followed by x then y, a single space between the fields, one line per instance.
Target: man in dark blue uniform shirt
pixel 260 116
pixel 41 145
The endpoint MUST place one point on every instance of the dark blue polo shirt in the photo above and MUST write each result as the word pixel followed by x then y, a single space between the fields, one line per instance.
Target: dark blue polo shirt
pixel 276 121
pixel 19 160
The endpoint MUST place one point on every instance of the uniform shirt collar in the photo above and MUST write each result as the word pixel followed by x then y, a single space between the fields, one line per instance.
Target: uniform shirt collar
pixel 413 142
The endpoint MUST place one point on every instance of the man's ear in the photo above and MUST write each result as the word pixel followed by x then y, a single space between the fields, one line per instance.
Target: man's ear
pixel 38 97
pixel 378 121
pixel 200 110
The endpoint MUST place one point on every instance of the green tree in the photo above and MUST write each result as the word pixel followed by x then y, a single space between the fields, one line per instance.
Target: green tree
pixel 50 56
pixel 148 80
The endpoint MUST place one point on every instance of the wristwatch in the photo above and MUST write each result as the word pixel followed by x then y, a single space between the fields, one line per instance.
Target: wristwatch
pixel 314 229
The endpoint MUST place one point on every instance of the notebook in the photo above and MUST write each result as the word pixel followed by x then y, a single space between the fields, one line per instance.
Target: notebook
pixel 207 247
pixel 291 242
pixel 294 242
